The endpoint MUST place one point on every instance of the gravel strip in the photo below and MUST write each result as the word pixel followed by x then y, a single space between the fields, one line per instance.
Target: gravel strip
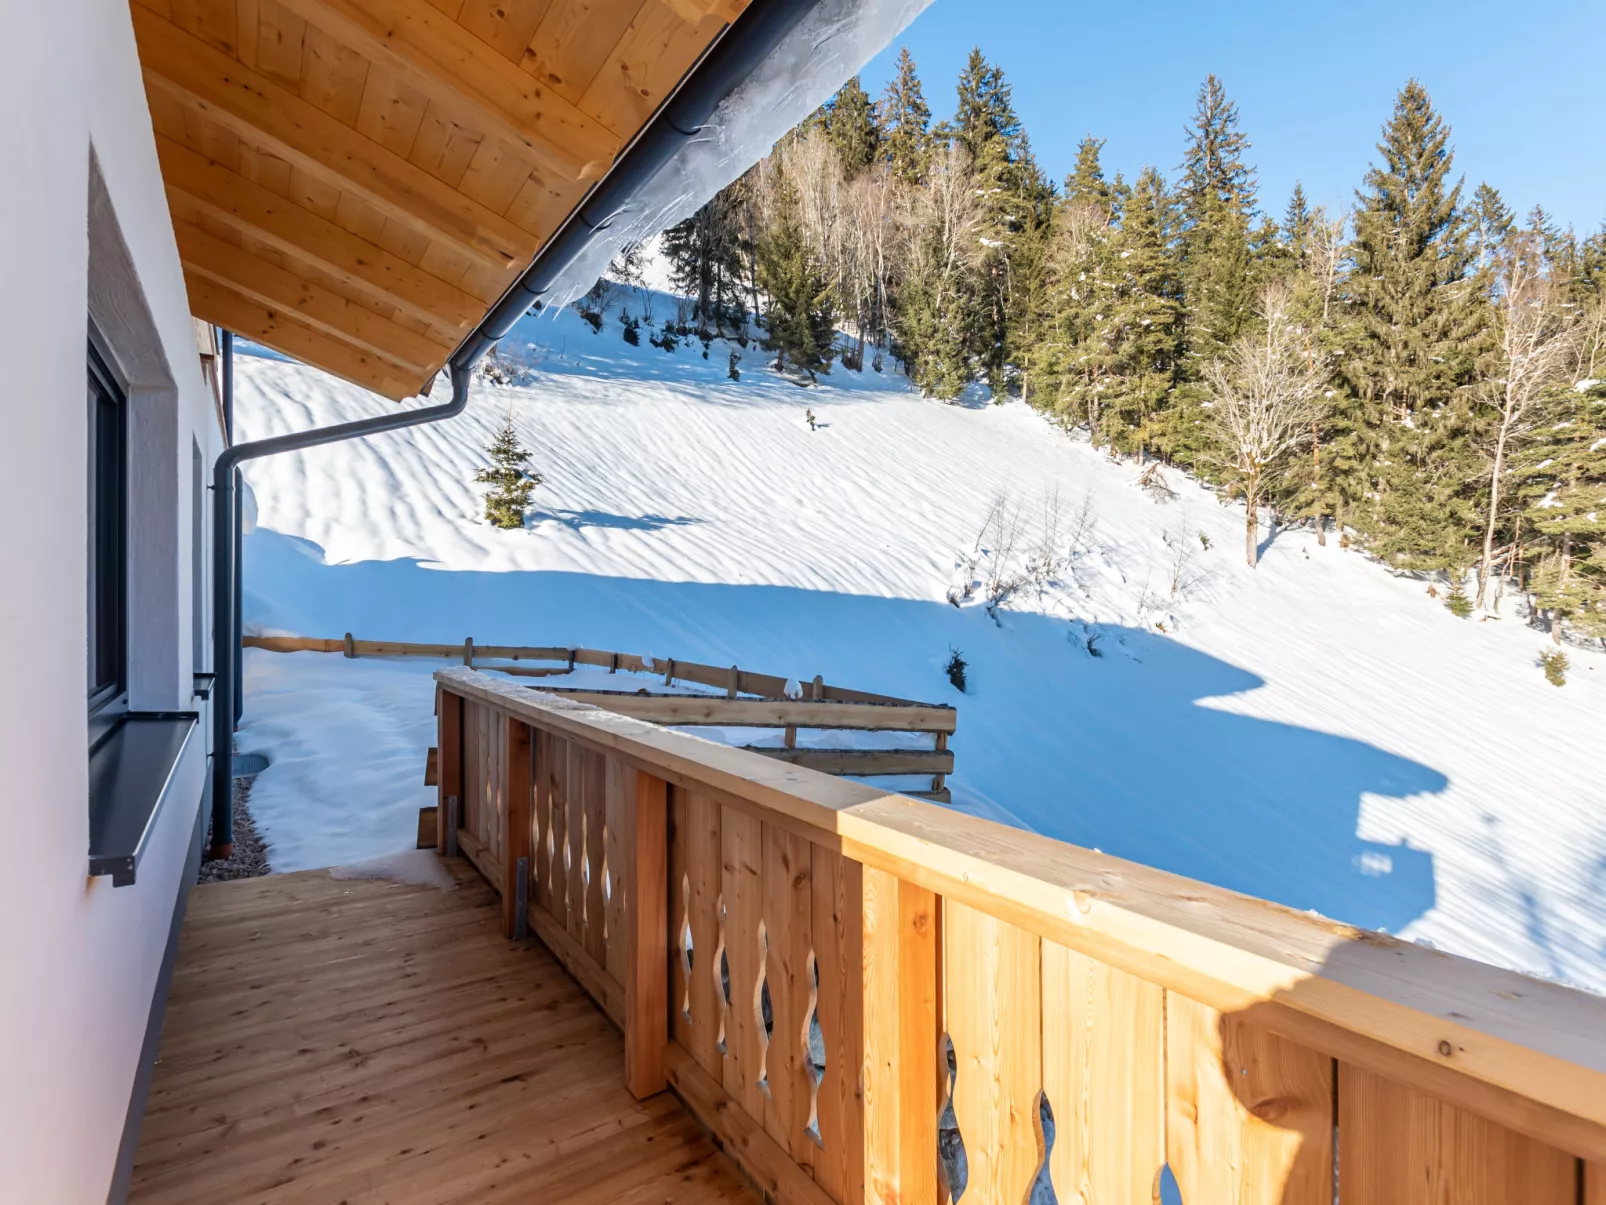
pixel 250 855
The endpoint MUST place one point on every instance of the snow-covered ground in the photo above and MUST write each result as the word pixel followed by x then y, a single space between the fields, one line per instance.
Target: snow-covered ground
pixel 1317 732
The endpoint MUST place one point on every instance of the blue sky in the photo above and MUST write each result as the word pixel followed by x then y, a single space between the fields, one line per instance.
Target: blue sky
pixel 1520 84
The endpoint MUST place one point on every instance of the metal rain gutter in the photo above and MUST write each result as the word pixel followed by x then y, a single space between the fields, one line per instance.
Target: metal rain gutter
pixel 727 65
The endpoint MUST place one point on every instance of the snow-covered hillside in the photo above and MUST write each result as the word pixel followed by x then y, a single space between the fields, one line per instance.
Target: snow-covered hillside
pixel 1318 731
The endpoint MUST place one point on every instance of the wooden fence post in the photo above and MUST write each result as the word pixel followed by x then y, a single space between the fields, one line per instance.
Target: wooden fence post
pixel 448 764
pixel 516 834
pixel 351 645
pixel 468 651
pixel 645 838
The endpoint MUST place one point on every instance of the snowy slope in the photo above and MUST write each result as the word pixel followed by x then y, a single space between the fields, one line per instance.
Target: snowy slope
pixel 1317 732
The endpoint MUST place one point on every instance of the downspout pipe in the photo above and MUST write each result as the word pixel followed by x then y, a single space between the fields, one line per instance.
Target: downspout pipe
pixel 228 433
pixel 225 573
pixel 727 65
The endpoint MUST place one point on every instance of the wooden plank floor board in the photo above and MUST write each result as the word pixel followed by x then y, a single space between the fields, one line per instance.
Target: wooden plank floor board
pixel 177 1136
pixel 370 1042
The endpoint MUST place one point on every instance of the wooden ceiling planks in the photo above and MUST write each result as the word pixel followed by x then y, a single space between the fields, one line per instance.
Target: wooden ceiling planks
pixel 355 182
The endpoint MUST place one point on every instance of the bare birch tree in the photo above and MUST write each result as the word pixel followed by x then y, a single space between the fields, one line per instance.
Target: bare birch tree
pixel 1536 336
pixel 1265 400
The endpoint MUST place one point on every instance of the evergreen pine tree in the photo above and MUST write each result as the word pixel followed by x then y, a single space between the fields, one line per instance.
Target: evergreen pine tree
pixel 510 480
pixel 1589 276
pixel 1018 202
pixel 1069 366
pixel 705 263
pixel 1296 227
pixel 905 121
pixel 1215 244
pixel 1217 200
pixel 851 125
pixel 1141 325
pixel 1492 225
pixel 1420 327
pixel 934 305
pixel 1086 184
pixel 1561 478
pixel 799 319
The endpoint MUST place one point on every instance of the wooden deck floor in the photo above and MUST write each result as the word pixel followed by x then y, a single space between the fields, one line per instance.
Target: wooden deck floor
pixel 337 1040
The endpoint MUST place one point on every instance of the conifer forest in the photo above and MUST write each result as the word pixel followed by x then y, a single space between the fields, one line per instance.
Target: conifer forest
pixel 1422 374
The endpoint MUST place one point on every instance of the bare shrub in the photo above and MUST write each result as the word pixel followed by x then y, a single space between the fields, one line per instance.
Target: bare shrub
pixel 1183 567
pixel 1043 563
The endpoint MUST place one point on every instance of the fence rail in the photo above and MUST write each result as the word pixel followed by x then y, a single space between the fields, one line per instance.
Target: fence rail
pixel 850 988
pixel 751 700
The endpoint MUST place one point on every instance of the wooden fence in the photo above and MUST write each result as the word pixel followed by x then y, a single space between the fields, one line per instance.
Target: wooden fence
pixel 751 700
pixel 867 998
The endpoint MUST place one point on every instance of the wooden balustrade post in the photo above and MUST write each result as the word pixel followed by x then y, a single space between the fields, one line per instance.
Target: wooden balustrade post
pixel 448 765
pixel 516 836
pixel 645 840
pixel 900 1040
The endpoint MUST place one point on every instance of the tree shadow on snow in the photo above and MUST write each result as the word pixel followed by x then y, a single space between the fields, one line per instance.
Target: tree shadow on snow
pixel 577 519
pixel 1116 752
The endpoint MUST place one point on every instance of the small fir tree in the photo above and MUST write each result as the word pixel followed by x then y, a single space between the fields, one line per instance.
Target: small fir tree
pixel 1456 599
pixel 956 669
pixel 1555 664
pixel 510 480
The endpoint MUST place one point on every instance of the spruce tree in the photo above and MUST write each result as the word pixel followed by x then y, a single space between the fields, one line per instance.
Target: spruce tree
pixel 705 263
pixel 905 121
pixel 510 480
pixel 1296 228
pixel 1086 184
pixel 1216 210
pixel 1141 325
pixel 1217 200
pixel 1420 328
pixel 1017 201
pixel 1491 227
pixel 799 320
pixel 851 125
pixel 934 303
pixel 1069 365
pixel 1561 478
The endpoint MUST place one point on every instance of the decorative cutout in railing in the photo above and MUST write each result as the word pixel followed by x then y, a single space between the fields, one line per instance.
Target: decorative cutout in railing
pixel 813 1050
pixel 950 1142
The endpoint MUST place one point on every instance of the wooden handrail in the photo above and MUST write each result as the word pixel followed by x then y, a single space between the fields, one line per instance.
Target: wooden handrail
pixel 1397 1024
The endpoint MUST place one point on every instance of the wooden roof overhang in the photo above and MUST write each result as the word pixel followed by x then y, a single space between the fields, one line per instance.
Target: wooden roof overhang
pixel 356 182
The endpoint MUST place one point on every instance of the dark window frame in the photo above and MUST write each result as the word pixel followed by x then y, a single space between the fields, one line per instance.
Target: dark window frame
pixel 107 592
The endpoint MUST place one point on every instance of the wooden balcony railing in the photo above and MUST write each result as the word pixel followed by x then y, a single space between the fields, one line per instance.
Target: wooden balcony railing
pixel 750 700
pixel 867 997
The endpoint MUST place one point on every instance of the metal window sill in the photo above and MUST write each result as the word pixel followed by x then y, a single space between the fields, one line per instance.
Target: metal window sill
pixel 130 774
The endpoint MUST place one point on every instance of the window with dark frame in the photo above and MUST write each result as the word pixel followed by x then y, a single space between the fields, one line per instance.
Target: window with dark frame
pixel 108 539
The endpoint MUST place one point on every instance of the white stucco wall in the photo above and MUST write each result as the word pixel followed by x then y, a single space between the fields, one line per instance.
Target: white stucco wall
pixel 78 958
